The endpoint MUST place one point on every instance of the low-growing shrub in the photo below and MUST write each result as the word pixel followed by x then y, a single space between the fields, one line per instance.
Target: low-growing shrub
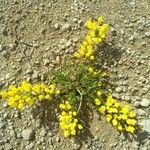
pixel 77 83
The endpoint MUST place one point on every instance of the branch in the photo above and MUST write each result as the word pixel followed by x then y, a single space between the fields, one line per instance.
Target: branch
pixel 81 98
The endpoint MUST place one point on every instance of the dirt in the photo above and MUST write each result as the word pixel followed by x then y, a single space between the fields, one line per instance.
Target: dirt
pixel 32 42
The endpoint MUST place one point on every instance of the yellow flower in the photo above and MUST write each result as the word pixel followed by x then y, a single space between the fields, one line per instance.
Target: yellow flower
pixel 131 122
pixel 102 109
pixel 110 101
pixel 104 28
pixel 125 109
pixel 92 33
pixel 103 36
pixel 77 55
pixel 100 20
pixel 73 132
pixel 75 120
pixel 119 127
pixel 132 114
pixel 95 73
pixel 96 40
pixel 47 97
pixel 90 69
pixel 99 93
pixel 114 122
pixel 94 26
pixel 97 101
pixel 20 106
pixel 89 40
pixel 74 113
pixel 85 43
pixel 66 133
pixel 116 104
pixel 41 97
pixel 63 113
pixel 3 94
pixel 92 57
pixel 62 106
pixel 130 129
pixel 124 117
pixel 80 126
pixel 57 92
pixel 108 118
pixel 89 24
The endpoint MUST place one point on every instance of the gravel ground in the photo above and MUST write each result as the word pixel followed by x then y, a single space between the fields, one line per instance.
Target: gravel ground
pixel 36 34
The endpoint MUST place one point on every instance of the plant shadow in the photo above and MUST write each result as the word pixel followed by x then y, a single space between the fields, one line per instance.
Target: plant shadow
pixel 107 54
pixel 47 113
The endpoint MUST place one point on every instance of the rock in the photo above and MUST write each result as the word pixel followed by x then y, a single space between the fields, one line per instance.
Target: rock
pixel 2 123
pixel 5 54
pixel 56 26
pixel 126 98
pixel 145 125
pixel 68 43
pixel 30 146
pixel 46 62
pixel 8 146
pixel 118 89
pixel 66 27
pixel 1 48
pixel 29 71
pixel 136 104
pixel 141 112
pixel 147 34
pixel 28 134
pixel 145 103
pixel 35 75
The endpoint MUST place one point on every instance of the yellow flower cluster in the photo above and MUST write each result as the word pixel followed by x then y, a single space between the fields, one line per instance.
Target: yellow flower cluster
pixel 27 94
pixel 68 121
pixel 97 33
pixel 95 73
pixel 119 115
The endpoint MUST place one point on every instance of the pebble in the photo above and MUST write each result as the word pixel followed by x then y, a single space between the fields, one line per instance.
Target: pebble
pixel 35 75
pixel 145 125
pixel 66 27
pixel 27 134
pixel 29 71
pixel 147 34
pixel 118 89
pixel 46 62
pixel 56 26
pixel 5 53
pixel 1 48
pixel 141 112
pixel 2 123
pixel 145 103
pixel 8 146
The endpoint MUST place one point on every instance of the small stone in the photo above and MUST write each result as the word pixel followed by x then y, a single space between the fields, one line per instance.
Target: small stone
pixel 35 75
pixel 68 43
pixel 147 34
pixel 1 48
pixel 118 89
pixel 29 71
pixel 56 26
pixel 141 112
pixel 146 125
pixel 126 98
pixel 28 134
pixel 30 146
pixel 145 103
pixel 46 62
pixel 5 54
pixel 8 146
pixel 66 27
